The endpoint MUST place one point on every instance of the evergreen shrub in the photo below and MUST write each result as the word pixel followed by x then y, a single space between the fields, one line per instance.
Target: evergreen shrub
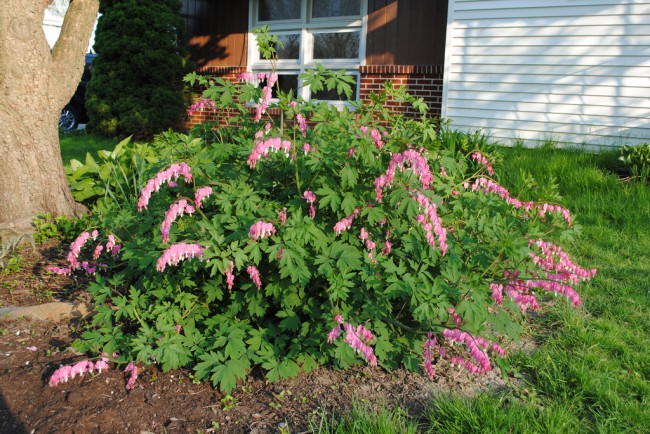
pixel 136 86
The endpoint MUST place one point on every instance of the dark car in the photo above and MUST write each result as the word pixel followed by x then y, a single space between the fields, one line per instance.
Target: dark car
pixel 75 113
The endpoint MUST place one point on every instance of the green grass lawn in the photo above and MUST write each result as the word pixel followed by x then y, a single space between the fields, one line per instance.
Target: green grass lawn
pixel 75 145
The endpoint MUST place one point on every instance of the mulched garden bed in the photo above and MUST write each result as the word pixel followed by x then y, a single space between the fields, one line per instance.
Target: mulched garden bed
pixel 171 402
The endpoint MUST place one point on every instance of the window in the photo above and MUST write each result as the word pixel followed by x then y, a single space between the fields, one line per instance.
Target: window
pixel 337 45
pixel 277 10
pixel 335 8
pixel 330 32
pixel 285 82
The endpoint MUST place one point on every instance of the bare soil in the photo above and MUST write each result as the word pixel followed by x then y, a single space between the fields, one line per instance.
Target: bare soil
pixel 30 351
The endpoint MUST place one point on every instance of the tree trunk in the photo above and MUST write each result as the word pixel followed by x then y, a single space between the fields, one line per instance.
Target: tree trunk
pixel 35 85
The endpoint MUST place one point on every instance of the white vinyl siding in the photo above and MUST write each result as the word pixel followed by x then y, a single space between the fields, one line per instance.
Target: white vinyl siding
pixel 572 71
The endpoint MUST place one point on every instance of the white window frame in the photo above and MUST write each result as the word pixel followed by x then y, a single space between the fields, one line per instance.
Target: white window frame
pixel 307 26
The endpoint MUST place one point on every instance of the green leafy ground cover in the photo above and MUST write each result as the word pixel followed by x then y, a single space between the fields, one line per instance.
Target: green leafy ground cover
pixel 368 226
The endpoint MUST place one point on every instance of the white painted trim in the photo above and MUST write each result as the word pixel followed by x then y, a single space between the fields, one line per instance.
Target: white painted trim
pixel 364 34
pixel 449 40
pixel 252 46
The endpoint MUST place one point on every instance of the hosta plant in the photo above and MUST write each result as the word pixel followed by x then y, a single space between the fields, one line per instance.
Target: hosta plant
pixel 114 180
pixel 637 159
pixel 323 237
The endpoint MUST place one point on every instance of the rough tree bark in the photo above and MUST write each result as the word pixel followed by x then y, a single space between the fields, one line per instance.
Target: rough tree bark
pixel 35 85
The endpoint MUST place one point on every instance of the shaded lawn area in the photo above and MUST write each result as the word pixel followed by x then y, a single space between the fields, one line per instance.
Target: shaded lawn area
pixel 76 144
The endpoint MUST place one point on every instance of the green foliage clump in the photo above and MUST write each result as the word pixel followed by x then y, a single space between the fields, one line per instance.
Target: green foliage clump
pixel 136 87
pixel 60 227
pixel 637 160
pixel 115 179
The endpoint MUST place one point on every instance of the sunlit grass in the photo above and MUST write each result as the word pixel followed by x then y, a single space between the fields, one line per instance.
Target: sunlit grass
pixel 500 414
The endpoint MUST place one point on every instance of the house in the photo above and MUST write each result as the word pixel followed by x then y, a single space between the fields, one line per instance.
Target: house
pixel 52 24
pixel 374 40
pixel 51 27
pixel 575 71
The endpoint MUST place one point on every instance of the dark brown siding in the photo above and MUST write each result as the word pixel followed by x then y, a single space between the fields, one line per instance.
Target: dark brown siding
pixel 216 32
pixel 406 32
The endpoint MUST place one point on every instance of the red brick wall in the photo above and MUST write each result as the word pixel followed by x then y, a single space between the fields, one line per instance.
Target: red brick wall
pixel 420 81
pixel 226 72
